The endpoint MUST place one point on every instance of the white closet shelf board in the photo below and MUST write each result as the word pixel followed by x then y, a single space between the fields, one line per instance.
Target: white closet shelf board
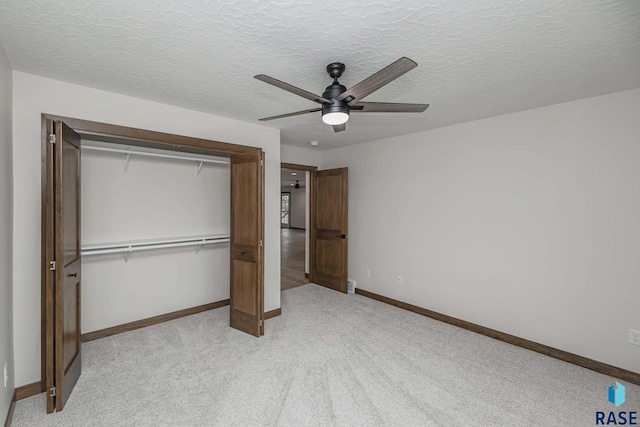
pixel 199 159
pixel 95 145
pixel 137 152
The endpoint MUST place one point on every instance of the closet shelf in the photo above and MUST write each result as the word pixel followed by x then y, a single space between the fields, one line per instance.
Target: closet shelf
pixel 143 245
pixel 199 161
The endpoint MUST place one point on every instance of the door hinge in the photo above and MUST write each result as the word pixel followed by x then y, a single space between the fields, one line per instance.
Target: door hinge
pixel 53 265
pixel 53 392
pixel 260 323
pixel 260 162
pixel 52 138
pixel 260 244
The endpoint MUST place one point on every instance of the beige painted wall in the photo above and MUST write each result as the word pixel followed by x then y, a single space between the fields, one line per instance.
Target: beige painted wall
pixel 299 155
pixel 34 95
pixel 155 199
pixel 6 230
pixel 528 223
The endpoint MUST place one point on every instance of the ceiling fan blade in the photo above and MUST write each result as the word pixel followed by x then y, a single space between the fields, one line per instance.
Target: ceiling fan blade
pixel 297 113
pixel 295 90
pixel 377 80
pixel 388 107
pixel 339 128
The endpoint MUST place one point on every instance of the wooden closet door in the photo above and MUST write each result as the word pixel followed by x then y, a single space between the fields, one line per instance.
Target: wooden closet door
pixel 61 234
pixel 247 249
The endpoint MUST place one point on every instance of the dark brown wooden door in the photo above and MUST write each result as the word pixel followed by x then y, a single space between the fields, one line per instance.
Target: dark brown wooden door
pixel 61 223
pixel 247 249
pixel 328 248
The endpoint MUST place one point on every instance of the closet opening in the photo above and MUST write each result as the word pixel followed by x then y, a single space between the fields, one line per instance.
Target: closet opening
pixel 139 219
pixel 155 234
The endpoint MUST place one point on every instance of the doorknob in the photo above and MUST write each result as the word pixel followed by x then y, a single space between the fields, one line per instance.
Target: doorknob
pixel 73 275
pixel 342 236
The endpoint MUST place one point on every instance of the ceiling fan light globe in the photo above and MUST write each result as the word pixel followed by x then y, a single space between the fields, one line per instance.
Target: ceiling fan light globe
pixel 336 118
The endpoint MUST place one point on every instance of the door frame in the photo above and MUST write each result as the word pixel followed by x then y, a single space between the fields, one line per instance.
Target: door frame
pixel 307 239
pixel 116 134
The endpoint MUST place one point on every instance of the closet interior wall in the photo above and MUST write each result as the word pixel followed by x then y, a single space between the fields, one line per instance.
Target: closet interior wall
pixel 156 198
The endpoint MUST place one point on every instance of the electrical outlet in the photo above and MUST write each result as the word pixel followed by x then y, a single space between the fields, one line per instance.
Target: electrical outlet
pixel 6 375
pixel 367 272
pixel 634 337
pixel 400 280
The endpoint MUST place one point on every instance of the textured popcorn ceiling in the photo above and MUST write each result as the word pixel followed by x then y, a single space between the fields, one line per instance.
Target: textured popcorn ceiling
pixel 476 58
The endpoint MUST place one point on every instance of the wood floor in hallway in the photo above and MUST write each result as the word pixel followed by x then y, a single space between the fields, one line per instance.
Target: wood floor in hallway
pixel 292 258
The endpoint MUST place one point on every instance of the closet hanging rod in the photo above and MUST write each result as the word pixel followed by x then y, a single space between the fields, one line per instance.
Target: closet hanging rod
pixel 142 246
pixel 221 160
pixel 196 238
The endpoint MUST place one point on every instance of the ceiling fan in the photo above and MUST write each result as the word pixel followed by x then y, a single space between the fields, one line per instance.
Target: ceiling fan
pixel 337 102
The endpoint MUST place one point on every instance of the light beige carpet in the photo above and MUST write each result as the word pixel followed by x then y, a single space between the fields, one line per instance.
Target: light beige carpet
pixel 330 359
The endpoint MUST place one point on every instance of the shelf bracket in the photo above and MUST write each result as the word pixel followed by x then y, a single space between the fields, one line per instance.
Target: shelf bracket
pixel 198 165
pixel 200 246
pixel 126 160
pixel 126 254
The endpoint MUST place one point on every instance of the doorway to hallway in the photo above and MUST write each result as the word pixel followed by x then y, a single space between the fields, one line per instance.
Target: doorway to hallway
pixel 294 223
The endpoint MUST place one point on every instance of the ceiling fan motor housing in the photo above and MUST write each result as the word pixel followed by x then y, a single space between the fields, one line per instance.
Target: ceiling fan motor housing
pixel 335 70
pixel 332 92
